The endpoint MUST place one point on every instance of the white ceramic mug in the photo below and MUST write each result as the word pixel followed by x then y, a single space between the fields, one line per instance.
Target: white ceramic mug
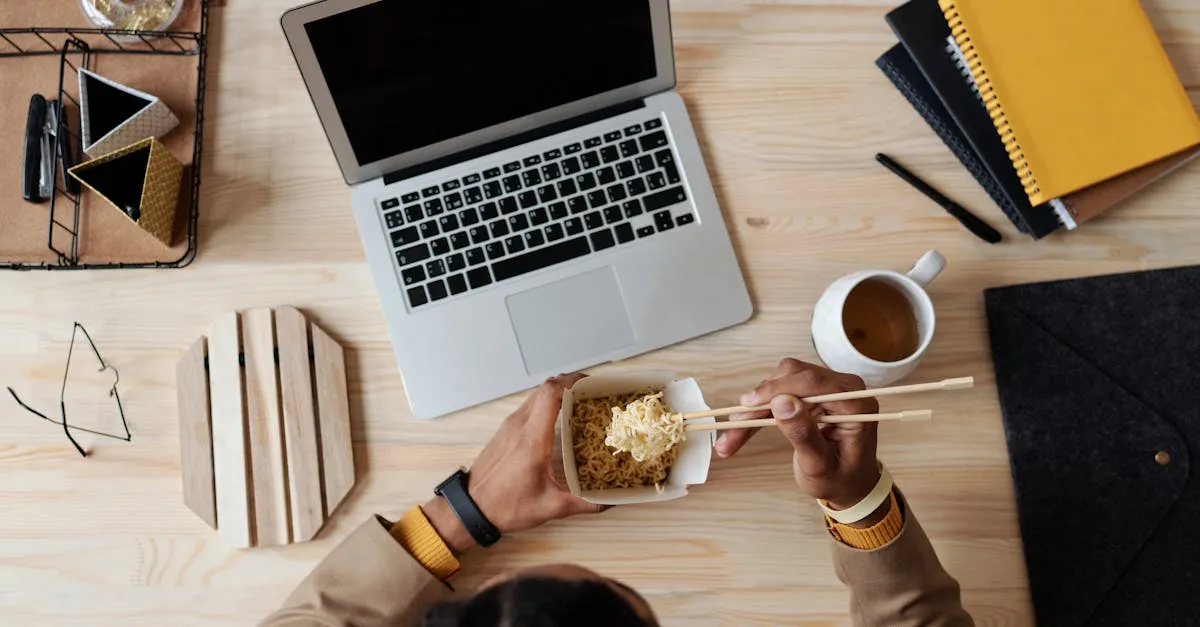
pixel 829 332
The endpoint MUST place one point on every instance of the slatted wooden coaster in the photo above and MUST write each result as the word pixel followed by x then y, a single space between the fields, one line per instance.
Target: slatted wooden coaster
pixel 264 427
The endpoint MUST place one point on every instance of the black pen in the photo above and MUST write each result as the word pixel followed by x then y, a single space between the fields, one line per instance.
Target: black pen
pixel 981 229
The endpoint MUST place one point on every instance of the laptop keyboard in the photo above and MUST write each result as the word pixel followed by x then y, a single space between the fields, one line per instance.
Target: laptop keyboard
pixel 536 212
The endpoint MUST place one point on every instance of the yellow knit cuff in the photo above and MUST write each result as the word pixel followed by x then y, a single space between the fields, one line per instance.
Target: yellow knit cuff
pixel 421 540
pixel 872 537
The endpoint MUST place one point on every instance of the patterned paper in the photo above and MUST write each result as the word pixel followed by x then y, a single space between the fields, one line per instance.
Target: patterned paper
pixel 160 190
pixel 156 120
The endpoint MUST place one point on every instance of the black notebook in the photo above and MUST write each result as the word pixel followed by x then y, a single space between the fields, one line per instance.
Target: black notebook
pixel 923 31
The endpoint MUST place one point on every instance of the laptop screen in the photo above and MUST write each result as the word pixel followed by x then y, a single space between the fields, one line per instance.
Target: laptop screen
pixel 409 73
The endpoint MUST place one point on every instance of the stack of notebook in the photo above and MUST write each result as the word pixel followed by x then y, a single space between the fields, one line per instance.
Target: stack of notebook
pixel 1060 109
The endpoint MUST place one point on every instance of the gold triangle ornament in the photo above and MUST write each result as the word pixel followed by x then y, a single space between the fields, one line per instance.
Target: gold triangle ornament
pixel 142 181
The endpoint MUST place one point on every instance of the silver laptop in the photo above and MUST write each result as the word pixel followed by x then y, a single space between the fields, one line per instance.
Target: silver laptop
pixel 527 184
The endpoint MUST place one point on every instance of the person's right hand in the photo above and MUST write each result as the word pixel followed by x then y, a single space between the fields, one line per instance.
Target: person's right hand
pixel 831 462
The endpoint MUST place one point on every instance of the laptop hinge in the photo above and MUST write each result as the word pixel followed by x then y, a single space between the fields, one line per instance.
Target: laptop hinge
pixel 514 140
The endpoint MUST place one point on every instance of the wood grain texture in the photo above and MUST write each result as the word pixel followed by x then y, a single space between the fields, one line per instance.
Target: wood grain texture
pixel 790 111
pixel 195 434
pixel 300 427
pixel 333 413
pixel 267 451
pixel 231 470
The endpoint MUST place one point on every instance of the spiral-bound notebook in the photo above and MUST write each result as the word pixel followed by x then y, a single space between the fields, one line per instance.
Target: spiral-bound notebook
pixel 1080 91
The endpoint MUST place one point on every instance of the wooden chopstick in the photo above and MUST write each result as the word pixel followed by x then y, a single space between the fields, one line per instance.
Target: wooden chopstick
pixel 945 384
pixel 905 416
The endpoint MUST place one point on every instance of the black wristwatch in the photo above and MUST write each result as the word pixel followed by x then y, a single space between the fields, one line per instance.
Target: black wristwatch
pixel 454 490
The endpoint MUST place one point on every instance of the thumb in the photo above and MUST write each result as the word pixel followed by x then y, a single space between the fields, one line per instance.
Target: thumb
pixel 572 505
pixel 798 425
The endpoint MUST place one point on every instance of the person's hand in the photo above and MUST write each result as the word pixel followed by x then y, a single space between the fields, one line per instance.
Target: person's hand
pixel 831 462
pixel 512 481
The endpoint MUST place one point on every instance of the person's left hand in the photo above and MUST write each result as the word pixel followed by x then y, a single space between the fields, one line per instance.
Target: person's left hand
pixel 512 480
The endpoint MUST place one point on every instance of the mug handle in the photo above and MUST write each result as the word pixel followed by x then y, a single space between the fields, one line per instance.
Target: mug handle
pixel 927 268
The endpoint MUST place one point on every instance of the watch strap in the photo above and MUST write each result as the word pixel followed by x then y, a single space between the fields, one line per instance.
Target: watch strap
pixel 454 490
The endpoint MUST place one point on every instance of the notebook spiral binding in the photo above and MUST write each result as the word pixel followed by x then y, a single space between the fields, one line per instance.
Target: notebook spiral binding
pixel 991 100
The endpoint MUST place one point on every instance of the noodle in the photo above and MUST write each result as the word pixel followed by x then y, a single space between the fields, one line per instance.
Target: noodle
pixel 599 467
pixel 645 429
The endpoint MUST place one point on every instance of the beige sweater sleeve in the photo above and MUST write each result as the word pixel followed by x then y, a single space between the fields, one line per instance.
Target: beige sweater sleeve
pixel 368 580
pixel 901 584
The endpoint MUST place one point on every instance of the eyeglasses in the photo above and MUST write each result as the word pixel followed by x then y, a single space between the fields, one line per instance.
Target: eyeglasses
pixel 62 403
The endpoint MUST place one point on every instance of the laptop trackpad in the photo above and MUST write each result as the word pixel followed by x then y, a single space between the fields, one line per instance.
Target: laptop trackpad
pixel 570 320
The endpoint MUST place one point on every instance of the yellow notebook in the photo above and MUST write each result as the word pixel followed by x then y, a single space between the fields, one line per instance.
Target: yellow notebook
pixel 1080 90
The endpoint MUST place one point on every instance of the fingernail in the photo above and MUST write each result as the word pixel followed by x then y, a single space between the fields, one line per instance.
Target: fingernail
pixel 720 445
pixel 749 399
pixel 785 407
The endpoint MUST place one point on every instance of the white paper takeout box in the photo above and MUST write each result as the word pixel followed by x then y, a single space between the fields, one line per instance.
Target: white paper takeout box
pixel 681 395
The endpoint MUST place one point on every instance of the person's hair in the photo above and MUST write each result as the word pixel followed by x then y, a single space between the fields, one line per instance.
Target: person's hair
pixel 538 602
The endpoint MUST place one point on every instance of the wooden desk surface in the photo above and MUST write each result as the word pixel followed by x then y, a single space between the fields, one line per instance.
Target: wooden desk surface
pixel 790 110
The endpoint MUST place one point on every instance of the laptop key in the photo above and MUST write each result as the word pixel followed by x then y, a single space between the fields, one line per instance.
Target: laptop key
pixel 479 277
pixel 528 199
pixel 590 159
pixel 472 194
pixel 616 193
pixel 410 197
pixel 471 179
pixel 475 256
pixel 644 163
pixel 574 226
pixel 629 148
pixel 455 262
pixel 390 203
pixel 460 240
pixel 606 175
pixel 491 189
pixel 468 216
pixel 591 142
pixel 597 199
pixel 663 221
pixel 656 180
pixel 630 131
pixel 394 219
pixel 531 178
pixel 571 149
pixel 412 254
pixel 546 194
pixel 413 213
pixel 514 244
pixel 404 237
pixel 450 185
pixel 541 258
pixel 613 214
pixel 429 229
pixel 624 233
pixel 539 216
pixel 554 232
pixel 558 210
pixel 495 250
pixel 665 198
pixel 488 211
pixel 512 166
pixel 512 184
pixel 636 186
pixel 491 173
pixel 518 222
pixel 508 205
pixel 479 235
pixel 603 239
pixel 439 246
pixel 625 169
pixel 456 283
pixel 585 181
pixel 672 173
pixel 570 165
pixel 566 187
pixel 632 208
pixel 646 231
pixel 653 124
pixel 551 172
pixel 552 154
pixel 593 220
pixel 437 290
pixel 608 154
pixel 413 275
pixel 612 136
pixel 435 268
pixel 416 296
pixel 577 204
pixel 448 223
pixel 433 207
pixel 429 192
pixel 685 219
pixel 653 141
pixel 532 161
pixel 499 228
pixel 534 238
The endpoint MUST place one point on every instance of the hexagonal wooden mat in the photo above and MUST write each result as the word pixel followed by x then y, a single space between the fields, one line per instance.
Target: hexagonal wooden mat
pixel 264 427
